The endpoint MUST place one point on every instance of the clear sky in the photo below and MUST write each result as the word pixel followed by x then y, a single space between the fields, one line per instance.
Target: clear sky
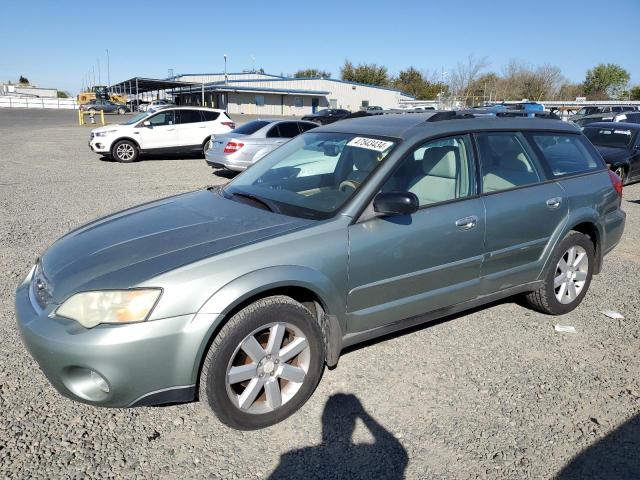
pixel 56 43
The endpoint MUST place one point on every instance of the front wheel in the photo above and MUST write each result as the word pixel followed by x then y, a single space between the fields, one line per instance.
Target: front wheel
pixel 125 151
pixel 264 364
pixel 568 277
pixel 121 111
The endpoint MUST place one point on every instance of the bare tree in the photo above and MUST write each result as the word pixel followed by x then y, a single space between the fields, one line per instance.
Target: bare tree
pixel 465 74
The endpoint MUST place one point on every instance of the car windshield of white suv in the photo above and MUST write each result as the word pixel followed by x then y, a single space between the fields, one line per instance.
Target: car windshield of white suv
pixel 136 118
pixel 312 175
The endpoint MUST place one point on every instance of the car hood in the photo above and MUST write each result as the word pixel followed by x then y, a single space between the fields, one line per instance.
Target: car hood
pixel 107 128
pixel 612 154
pixel 129 247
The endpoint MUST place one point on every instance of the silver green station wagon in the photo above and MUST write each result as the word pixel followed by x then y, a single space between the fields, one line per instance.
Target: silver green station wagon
pixel 239 296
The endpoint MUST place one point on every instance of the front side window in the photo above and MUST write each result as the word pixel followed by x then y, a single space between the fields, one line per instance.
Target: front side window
pixel 437 171
pixel 162 118
pixel 505 163
pixel 565 154
pixel 313 175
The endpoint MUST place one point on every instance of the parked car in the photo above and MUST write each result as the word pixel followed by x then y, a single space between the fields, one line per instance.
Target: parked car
pixel 632 116
pixel 107 106
pixel 327 116
pixel 159 104
pixel 596 109
pixel 619 145
pixel 242 147
pixel 240 295
pixel 170 130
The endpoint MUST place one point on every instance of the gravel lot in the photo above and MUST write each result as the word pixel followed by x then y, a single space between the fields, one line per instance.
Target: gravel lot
pixel 496 393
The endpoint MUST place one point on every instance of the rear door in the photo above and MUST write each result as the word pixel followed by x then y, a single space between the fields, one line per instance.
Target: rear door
pixel 192 131
pixel 160 134
pixel 524 212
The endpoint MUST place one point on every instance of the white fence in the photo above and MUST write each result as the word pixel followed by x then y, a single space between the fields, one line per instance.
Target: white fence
pixel 9 101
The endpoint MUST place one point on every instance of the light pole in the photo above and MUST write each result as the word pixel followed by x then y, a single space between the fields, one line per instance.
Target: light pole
pixel 225 69
pixel 442 76
pixel 99 77
pixel 108 71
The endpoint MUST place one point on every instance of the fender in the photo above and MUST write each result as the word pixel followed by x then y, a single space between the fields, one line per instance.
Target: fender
pixel 576 217
pixel 214 311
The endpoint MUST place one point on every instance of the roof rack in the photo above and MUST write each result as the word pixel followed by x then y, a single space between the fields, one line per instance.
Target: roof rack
pixel 524 113
pixel 450 115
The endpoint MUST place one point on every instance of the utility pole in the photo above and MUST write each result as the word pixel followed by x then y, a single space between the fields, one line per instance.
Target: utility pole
pixel 226 80
pixel 94 75
pixel 108 71
pixel 99 78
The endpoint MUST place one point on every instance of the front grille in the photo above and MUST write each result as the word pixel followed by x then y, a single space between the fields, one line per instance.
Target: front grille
pixel 41 287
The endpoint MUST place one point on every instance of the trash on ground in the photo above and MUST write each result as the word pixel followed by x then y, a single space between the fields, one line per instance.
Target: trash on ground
pixel 565 328
pixel 613 314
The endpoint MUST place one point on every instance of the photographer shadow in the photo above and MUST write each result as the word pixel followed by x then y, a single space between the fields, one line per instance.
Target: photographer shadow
pixel 338 456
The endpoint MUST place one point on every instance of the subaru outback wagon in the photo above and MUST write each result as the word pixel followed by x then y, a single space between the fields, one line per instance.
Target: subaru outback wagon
pixel 240 296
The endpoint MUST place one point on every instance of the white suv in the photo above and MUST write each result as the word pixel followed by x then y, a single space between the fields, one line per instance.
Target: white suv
pixel 170 130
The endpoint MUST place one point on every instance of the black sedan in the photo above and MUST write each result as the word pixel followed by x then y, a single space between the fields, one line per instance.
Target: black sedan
pixel 326 116
pixel 619 145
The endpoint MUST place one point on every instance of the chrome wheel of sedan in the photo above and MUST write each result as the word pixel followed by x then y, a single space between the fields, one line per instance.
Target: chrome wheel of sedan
pixel 571 274
pixel 268 368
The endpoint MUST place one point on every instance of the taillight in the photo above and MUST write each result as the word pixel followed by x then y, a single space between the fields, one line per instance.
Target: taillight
pixel 616 181
pixel 231 125
pixel 232 147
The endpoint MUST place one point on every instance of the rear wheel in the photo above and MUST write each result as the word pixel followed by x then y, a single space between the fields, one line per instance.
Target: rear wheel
pixel 622 173
pixel 206 146
pixel 568 278
pixel 264 364
pixel 125 151
pixel 121 111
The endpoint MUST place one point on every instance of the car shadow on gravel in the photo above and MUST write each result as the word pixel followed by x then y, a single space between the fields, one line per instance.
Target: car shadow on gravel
pixel 615 456
pixel 156 158
pixel 337 456
pixel 223 173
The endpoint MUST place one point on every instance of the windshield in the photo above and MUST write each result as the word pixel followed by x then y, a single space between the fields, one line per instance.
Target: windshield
pixel 136 118
pixel 312 175
pixel 322 113
pixel 609 137
pixel 251 127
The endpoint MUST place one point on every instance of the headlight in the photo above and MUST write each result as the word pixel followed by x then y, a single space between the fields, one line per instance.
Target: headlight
pixel 111 306
pixel 104 134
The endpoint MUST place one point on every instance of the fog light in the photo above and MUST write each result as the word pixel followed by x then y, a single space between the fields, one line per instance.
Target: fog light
pixel 100 382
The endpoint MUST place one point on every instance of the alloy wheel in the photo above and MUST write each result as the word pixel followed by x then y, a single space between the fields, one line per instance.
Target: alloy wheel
pixel 125 152
pixel 571 274
pixel 268 368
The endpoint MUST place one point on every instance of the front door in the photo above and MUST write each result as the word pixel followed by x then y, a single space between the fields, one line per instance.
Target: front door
pixel 314 104
pixel 160 134
pixel 405 266
pixel 523 211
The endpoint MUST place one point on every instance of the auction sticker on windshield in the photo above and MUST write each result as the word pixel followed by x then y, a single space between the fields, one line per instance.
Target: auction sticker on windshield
pixel 370 143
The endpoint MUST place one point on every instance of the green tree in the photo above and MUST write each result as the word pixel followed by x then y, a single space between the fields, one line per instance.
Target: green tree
pixel 606 80
pixel 62 94
pixel 312 72
pixel 635 93
pixel 371 74
pixel 415 83
pixel 24 80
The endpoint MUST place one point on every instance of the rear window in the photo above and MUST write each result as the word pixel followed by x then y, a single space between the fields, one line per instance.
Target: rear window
pixel 209 116
pixel 565 154
pixel 251 127
pixel 609 137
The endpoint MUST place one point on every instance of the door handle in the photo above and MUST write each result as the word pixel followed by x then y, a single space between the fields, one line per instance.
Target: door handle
pixel 467 223
pixel 554 202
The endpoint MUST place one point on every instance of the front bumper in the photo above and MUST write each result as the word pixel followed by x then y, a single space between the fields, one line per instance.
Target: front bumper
pixel 142 364
pixel 100 145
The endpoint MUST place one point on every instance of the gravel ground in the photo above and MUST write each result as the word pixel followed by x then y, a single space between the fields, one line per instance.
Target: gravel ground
pixel 495 393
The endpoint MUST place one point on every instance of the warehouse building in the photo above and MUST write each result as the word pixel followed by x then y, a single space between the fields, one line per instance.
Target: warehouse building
pixel 265 94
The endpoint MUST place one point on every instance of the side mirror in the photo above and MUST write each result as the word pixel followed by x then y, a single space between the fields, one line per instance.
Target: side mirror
pixel 146 123
pixel 396 203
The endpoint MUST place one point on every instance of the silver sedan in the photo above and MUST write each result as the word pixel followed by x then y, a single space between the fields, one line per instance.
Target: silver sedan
pixel 242 147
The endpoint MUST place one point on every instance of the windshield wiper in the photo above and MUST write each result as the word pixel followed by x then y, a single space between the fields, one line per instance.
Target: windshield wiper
pixel 270 205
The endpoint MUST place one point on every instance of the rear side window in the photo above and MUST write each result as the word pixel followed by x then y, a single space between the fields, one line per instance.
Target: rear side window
pixel 306 126
pixel 565 154
pixel 251 127
pixel 288 129
pixel 505 161
pixel 209 116
pixel 188 116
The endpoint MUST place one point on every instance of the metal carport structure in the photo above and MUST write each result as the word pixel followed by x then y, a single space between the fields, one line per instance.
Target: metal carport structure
pixel 137 85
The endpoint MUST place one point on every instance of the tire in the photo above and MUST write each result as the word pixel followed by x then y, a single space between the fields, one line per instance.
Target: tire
pixel 205 146
pixel 125 151
pixel 262 374
pixel 622 173
pixel 558 300
pixel 121 111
